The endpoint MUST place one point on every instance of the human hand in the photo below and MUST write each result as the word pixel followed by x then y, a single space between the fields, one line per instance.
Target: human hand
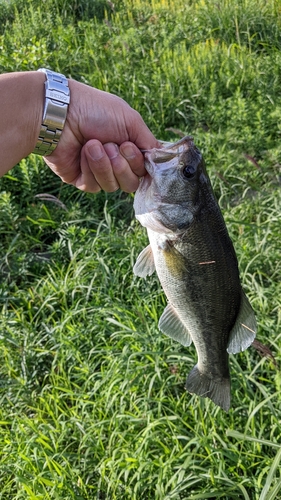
pixel 101 141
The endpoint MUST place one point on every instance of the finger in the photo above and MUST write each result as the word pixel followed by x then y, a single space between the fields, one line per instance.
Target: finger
pixel 100 166
pixel 126 178
pixel 86 180
pixel 134 158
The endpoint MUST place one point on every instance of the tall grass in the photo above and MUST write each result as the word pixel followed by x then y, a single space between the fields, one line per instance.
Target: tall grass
pixel 92 396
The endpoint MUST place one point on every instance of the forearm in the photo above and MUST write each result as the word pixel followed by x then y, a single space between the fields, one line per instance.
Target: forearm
pixel 21 110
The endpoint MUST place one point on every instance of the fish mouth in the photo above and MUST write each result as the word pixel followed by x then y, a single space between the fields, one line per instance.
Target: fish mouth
pixel 166 155
pixel 152 158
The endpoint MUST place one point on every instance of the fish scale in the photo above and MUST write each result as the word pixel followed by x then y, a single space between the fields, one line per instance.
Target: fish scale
pixel 195 260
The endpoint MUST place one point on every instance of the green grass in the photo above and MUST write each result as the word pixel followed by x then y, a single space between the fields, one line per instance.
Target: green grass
pixel 92 398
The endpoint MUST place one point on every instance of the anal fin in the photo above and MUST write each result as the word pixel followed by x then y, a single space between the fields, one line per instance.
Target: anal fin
pixel 244 331
pixel 171 325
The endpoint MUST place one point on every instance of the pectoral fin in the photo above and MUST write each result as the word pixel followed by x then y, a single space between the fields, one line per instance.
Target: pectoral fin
pixel 144 265
pixel 171 325
pixel 244 331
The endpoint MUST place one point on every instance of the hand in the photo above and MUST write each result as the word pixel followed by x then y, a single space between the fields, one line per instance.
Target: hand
pixel 101 141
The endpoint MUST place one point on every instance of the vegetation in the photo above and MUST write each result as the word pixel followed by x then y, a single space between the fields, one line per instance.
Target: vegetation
pixel 92 395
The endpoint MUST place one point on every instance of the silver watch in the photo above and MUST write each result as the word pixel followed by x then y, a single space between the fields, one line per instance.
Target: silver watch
pixel 57 97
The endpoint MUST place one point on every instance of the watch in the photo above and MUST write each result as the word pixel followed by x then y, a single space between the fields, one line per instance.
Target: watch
pixel 57 97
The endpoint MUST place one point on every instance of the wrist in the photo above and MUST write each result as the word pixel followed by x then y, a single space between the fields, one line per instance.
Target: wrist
pixel 57 98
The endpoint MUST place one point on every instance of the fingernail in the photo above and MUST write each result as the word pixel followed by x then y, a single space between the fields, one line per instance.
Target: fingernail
pixel 96 152
pixel 111 150
pixel 128 151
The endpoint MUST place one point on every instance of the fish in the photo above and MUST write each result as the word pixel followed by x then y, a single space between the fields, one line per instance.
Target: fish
pixel 192 253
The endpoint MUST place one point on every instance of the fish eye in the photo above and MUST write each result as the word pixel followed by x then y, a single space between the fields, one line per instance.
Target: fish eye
pixel 189 171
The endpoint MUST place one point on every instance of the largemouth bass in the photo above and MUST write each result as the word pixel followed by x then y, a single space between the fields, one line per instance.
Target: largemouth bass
pixel 193 255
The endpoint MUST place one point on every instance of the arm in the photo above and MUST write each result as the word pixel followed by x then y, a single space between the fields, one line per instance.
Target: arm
pixel 21 105
pixel 100 144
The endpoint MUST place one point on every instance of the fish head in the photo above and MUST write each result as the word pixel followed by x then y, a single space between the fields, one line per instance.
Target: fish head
pixel 170 194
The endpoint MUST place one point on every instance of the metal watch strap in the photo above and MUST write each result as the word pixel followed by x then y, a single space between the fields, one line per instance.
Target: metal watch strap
pixel 57 97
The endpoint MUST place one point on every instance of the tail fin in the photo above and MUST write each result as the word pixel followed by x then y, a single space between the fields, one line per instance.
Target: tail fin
pixel 218 390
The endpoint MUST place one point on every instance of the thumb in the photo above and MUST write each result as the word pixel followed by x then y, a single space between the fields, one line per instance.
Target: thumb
pixel 140 134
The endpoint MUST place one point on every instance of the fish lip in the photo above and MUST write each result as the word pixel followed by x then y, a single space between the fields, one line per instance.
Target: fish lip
pixel 145 183
pixel 145 179
pixel 140 205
